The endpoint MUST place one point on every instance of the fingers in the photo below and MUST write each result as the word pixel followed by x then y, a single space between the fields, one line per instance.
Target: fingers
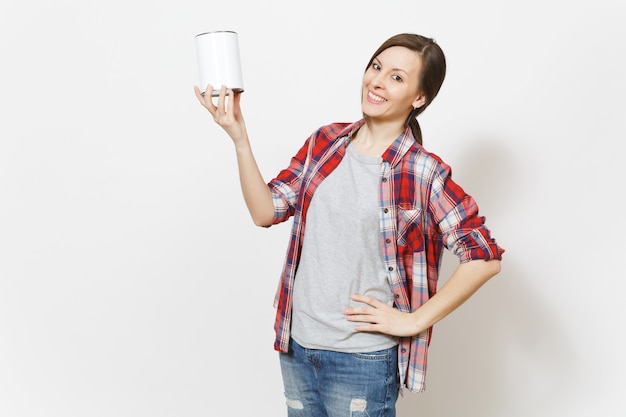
pixel 367 300
pixel 197 92
pixel 236 100
pixel 231 101
pixel 359 313
pixel 223 109
pixel 370 305
pixel 362 318
pixel 205 97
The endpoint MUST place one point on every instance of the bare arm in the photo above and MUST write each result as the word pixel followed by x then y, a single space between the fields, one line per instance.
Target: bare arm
pixel 227 114
pixel 377 316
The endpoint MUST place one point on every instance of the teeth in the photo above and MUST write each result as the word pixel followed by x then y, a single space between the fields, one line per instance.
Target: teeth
pixel 375 98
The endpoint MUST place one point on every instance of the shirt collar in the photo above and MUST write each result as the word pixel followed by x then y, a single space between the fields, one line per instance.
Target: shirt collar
pixel 398 148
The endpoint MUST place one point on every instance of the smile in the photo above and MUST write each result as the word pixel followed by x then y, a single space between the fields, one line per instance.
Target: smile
pixel 374 97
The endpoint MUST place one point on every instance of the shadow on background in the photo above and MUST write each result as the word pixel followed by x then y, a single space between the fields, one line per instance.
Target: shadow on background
pixel 501 354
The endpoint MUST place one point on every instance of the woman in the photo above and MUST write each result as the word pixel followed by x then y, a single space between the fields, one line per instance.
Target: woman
pixel 372 211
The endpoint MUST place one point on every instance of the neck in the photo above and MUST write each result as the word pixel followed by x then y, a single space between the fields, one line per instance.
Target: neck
pixel 374 139
pixel 379 133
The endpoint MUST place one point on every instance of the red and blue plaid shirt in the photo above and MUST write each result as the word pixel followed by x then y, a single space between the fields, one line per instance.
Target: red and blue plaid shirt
pixel 422 210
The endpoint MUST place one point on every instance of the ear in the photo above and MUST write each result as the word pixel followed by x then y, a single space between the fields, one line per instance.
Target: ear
pixel 419 101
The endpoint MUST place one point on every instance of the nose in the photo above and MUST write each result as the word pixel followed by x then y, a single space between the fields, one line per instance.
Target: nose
pixel 378 80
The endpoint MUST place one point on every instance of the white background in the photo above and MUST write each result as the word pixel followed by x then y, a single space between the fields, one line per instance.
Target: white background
pixel 133 283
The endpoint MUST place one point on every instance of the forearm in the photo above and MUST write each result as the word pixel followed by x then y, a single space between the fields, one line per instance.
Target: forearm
pixel 462 284
pixel 227 114
pixel 255 191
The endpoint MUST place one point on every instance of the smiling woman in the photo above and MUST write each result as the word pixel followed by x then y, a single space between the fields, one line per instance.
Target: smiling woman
pixel 426 67
pixel 388 91
pixel 358 292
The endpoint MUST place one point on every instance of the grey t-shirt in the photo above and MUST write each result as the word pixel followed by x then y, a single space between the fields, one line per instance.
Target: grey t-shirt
pixel 341 255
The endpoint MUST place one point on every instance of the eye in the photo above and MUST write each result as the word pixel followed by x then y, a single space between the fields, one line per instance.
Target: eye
pixel 397 78
pixel 376 66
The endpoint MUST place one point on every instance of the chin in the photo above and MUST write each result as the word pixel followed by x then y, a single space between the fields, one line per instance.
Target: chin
pixel 367 110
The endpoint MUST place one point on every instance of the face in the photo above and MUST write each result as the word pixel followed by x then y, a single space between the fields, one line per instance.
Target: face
pixel 390 85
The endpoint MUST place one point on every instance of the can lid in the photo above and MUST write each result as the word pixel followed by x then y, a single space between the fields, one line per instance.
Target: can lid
pixel 216 31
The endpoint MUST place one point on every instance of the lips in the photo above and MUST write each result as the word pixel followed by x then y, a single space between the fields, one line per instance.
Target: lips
pixel 373 97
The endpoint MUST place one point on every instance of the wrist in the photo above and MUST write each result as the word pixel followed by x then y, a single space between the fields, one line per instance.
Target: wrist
pixel 419 324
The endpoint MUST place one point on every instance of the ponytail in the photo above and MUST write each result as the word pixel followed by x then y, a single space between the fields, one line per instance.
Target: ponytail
pixel 414 124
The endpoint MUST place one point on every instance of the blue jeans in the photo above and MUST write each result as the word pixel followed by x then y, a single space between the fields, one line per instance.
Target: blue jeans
pixel 322 383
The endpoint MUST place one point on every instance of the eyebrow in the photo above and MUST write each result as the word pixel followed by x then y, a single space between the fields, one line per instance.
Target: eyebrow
pixel 393 69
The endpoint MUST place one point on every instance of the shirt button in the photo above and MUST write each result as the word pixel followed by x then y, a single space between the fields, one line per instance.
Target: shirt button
pixel 385 179
pixel 391 268
pixel 388 240
pixel 396 296
pixel 386 210
pixel 403 350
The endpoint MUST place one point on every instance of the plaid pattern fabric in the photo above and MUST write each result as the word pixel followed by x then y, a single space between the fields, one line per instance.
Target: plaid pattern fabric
pixel 422 210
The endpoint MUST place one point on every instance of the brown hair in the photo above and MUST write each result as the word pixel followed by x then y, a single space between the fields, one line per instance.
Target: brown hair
pixel 432 74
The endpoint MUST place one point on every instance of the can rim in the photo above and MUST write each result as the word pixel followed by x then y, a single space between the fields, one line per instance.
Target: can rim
pixel 216 31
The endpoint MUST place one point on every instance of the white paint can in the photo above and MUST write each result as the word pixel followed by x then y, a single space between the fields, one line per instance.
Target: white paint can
pixel 219 61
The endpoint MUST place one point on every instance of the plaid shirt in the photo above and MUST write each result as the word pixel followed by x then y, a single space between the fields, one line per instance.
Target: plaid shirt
pixel 422 210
